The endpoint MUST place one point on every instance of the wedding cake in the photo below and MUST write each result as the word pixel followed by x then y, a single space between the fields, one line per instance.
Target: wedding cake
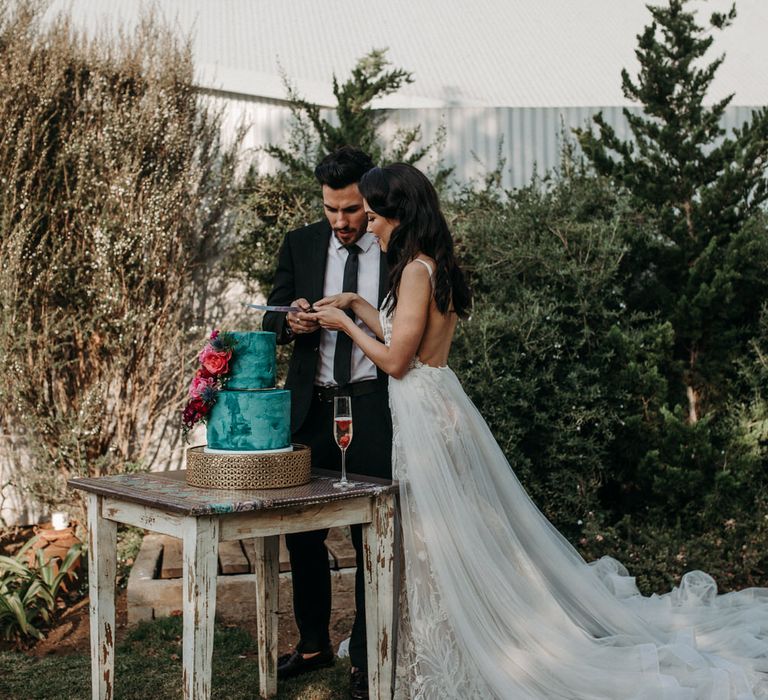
pixel 248 420
pixel 249 413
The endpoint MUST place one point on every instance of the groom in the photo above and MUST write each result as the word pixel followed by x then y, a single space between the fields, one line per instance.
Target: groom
pixel 324 258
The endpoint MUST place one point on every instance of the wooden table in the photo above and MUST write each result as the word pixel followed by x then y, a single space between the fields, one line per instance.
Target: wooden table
pixel 201 518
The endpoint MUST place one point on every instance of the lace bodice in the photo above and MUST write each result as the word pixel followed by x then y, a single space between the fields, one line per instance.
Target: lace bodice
pixel 385 319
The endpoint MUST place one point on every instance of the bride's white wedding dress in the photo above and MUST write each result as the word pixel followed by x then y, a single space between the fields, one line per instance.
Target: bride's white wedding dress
pixel 497 604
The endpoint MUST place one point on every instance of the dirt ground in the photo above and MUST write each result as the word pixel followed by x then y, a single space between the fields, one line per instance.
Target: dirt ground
pixel 71 635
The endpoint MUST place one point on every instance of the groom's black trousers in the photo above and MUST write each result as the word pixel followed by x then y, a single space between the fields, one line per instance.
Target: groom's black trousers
pixel 369 453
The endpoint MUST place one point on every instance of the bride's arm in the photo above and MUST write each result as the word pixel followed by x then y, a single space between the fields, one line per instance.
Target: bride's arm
pixel 413 299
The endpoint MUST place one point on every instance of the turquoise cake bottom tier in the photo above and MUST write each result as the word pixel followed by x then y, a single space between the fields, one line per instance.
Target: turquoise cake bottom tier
pixel 250 420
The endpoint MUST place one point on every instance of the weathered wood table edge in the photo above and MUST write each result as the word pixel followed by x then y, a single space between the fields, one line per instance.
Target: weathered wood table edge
pixel 201 518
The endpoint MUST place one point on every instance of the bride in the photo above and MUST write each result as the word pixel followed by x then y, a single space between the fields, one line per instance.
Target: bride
pixel 497 604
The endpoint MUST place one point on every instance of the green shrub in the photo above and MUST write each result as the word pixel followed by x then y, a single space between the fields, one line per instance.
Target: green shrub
pixel 700 266
pixel 574 384
pixel 551 355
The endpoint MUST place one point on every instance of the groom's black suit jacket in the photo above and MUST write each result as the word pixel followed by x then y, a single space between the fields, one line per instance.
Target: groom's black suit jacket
pixel 301 274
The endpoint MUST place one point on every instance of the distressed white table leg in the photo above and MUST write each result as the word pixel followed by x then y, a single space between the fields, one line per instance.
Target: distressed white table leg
pixel 102 569
pixel 267 570
pixel 200 538
pixel 378 547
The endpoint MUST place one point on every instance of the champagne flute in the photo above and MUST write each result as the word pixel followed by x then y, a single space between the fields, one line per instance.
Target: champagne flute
pixel 342 433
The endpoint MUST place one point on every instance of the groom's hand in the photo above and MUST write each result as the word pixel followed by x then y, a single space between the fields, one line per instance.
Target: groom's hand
pixel 303 321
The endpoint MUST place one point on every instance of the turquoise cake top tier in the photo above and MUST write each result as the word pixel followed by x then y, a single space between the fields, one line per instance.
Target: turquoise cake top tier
pixel 253 361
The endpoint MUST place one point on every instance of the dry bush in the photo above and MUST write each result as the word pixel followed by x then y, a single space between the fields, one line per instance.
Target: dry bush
pixel 113 206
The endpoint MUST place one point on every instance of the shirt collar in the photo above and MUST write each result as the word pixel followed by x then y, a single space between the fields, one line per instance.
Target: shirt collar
pixel 365 241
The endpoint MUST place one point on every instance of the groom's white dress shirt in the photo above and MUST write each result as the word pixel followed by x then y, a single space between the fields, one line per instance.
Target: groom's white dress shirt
pixel 367 287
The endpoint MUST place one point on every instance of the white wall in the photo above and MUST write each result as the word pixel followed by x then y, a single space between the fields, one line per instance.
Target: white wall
pixel 15 508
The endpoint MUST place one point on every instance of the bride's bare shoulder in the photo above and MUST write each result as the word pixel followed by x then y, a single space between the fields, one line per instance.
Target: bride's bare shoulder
pixel 424 258
pixel 421 265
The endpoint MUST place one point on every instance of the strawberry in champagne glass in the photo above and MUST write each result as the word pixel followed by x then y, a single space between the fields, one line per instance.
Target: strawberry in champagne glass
pixel 342 433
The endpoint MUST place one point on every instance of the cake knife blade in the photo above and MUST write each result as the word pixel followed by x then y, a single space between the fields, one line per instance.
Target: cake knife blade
pixel 279 309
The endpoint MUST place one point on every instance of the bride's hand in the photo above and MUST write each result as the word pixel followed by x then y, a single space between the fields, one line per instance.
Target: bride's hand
pixel 339 301
pixel 331 318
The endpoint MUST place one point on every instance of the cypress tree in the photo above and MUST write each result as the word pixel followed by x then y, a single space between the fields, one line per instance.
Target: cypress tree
pixel 697 261
pixel 702 269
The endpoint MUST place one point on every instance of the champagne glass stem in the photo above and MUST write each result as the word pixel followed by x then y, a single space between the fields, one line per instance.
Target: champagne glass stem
pixel 344 466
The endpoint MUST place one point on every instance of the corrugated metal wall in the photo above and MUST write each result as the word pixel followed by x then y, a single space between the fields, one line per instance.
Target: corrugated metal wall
pixel 527 139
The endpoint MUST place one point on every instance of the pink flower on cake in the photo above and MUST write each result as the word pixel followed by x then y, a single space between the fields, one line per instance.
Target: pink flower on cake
pixel 209 379
pixel 200 383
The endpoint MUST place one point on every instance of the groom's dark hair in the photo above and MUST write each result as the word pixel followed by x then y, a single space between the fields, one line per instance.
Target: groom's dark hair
pixel 344 167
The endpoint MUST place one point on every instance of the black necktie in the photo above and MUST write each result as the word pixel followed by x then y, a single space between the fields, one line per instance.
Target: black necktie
pixel 342 356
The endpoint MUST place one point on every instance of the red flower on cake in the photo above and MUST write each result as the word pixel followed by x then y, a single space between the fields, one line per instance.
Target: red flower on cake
pixel 209 379
pixel 216 362
pixel 196 409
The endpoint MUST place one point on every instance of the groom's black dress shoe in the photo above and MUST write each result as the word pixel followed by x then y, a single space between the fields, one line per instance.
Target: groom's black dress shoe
pixel 290 665
pixel 358 685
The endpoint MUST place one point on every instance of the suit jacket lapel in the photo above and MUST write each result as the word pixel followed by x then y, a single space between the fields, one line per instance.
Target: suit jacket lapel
pixel 319 261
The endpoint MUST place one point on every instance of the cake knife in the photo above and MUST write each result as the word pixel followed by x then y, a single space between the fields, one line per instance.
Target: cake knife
pixel 280 309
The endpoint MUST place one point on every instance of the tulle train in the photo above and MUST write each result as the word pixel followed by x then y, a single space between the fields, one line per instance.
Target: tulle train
pixel 497 604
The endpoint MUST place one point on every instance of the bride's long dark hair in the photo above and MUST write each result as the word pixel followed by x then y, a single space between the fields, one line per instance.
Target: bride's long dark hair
pixel 401 192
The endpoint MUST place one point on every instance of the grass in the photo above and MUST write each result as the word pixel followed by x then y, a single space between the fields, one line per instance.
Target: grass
pixel 148 664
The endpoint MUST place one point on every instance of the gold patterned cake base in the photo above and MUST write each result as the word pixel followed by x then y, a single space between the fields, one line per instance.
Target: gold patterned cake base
pixel 276 470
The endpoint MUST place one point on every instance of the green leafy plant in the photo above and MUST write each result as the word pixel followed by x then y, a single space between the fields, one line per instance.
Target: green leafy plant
pixel 701 265
pixel 129 541
pixel 29 593
pixel 573 383
pixel 358 124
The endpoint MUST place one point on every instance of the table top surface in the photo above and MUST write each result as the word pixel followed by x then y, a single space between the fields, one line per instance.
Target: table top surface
pixel 169 491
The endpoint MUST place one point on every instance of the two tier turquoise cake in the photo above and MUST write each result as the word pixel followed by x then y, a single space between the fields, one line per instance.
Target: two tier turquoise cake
pixel 249 413
pixel 249 424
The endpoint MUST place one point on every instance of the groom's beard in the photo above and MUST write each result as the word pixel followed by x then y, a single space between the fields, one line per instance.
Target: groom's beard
pixel 348 236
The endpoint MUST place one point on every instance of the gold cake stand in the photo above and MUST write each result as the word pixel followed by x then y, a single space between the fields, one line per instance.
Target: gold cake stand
pixel 276 470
